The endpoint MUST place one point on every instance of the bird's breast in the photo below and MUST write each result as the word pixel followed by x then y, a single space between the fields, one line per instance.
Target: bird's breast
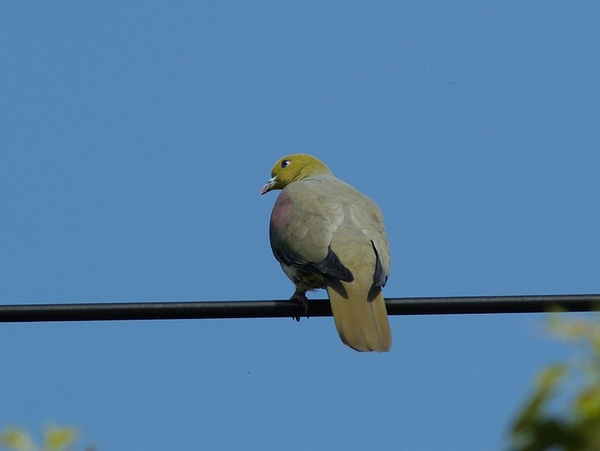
pixel 282 211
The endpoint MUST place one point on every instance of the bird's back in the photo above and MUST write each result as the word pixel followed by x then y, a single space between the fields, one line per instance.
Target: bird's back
pixel 337 215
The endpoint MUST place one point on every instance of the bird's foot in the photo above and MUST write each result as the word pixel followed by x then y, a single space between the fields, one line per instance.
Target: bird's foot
pixel 300 296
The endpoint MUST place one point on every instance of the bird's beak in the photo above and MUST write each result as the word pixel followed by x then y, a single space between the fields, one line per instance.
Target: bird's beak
pixel 268 187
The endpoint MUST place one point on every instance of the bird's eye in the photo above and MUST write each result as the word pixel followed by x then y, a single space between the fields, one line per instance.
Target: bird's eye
pixel 285 163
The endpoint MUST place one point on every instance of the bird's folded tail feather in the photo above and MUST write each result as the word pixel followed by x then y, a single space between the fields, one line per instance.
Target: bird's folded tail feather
pixel 362 323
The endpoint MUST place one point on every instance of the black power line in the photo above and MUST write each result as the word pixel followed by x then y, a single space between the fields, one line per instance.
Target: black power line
pixel 278 309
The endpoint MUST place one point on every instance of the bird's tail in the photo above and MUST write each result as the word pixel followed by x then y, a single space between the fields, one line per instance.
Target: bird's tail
pixel 360 316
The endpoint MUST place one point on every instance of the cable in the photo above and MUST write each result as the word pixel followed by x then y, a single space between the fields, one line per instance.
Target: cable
pixel 280 309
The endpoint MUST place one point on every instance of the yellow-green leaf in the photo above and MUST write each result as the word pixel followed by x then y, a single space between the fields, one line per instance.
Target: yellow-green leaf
pixel 57 439
pixel 15 439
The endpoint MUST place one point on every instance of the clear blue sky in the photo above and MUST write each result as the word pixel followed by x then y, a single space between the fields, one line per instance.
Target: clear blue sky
pixel 135 138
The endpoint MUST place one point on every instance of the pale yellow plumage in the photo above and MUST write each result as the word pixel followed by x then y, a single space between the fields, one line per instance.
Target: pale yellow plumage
pixel 328 235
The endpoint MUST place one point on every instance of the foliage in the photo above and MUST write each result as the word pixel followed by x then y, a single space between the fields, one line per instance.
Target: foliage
pixel 55 439
pixel 576 427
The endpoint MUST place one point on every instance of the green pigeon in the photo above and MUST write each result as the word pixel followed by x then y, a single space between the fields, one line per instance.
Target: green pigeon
pixel 326 234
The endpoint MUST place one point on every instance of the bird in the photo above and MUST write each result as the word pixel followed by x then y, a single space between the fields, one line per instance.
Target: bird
pixel 327 234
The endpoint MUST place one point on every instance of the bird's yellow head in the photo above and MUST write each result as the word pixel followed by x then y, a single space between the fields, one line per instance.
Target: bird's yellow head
pixel 293 168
